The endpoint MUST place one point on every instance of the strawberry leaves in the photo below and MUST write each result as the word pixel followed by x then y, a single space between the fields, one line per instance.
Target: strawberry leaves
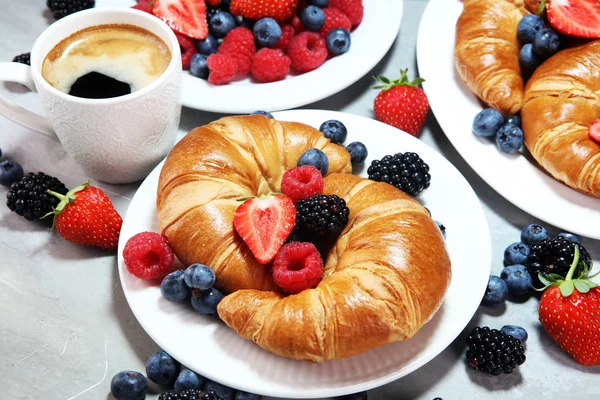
pixel 386 84
pixel 568 284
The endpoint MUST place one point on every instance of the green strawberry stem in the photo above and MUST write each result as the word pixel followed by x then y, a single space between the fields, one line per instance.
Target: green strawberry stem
pixel 567 285
pixel 65 199
pixel 386 83
pixel 542 7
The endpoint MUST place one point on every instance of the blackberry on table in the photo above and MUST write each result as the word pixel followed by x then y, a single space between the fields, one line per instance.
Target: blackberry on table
pixel 406 171
pixel 24 58
pixel 319 216
pixel 30 199
pixel 554 256
pixel 189 394
pixel 62 8
pixel 494 352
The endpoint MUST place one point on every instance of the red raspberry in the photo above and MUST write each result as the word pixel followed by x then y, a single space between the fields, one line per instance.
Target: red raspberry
pixel 188 49
pixel 270 65
pixel 352 8
pixel 297 266
pixel 307 51
pixel 301 182
pixel 334 18
pixel 594 131
pixel 222 68
pixel 297 24
pixel 287 33
pixel 147 255
pixel 239 44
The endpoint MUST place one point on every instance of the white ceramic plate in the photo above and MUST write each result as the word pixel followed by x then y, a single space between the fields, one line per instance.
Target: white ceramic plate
pixel 212 349
pixel 518 178
pixel 370 42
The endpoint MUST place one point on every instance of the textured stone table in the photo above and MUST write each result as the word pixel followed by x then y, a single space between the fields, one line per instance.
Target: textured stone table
pixel 66 328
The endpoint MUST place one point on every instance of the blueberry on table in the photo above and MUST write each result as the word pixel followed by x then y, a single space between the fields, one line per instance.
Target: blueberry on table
pixel 199 276
pixel 334 130
pixel 267 32
pixel 10 172
pixel 207 46
pixel 496 292
pixel 220 24
pixel 516 253
pixel 265 113
pixel 224 392
pixel 129 385
pixel 199 66
pixel 206 302
pixel 509 138
pixel 515 331
pixel 162 369
pixel 188 379
pixel 358 153
pixel 570 236
pixel 528 27
pixel 338 41
pixel 517 279
pixel 312 18
pixel 534 233
pixel 546 42
pixel 528 60
pixel 316 158
pixel 173 287
pixel 487 122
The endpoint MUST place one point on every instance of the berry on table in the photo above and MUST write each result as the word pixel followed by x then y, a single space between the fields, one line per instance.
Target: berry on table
pixel 147 255
pixel 514 119
pixel 352 8
pixel 517 279
pixel 334 18
pixel 10 172
pixel 320 216
pixel 224 392
pixel 220 24
pixel 534 233
pixel 546 42
pixel 199 66
pixel 188 379
pixel 308 51
pixel 270 65
pixel 207 46
pixel 297 266
pixel 129 385
pixel 406 171
pixel 24 58
pixel 62 8
pixel 493 352
pixel 29 197
pixel 239 45
pixel 312 18
pixel 515 331
pixel 162 369
pixel 509 138
pixel 338 41
pixel 358 152
pixel 554 256
pixel 222 68
pixel 316 158
pixel 264 113
pixel 516 253
pixel 199 276
pixel 267 32
pixel 334 130
pixel 528 27
pixel 174 288
pixel 529 60
pixel 487 122
pixel 495 293
pixel 570 236
pixel 301 182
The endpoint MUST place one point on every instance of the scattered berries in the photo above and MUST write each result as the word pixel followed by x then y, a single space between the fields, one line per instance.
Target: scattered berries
pixel 334 130
pixel 352 8
pixel 10 172
pixel 406 171
pixel 517 279
pixel 320 216
pixel 358 153
pixel 534 233
pixel 297 266
pixel 129 385
pixel 495 293
pixel 487 122
pixel 334 18
pixel 516 253
pixel 239 45
pixel 222 67
pixel 301 182
pixel 147 255
pixel 307 51
pixel 554 256
pixel 162 369
pixel 270 65
pixel 174 288
pixel 24 58
pixel 29 197
pixel 493 352
pixel 62 8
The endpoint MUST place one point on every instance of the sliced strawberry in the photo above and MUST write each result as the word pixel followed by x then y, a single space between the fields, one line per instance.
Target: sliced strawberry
pixel 579 18
pixel 185 16
pixel 265 223
pixel 595 131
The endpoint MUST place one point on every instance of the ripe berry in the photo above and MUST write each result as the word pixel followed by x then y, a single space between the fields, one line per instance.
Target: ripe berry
pixel 62 8
pixel 493 352
pixel 10 172
pixel 220 24
pixel 173 287
pixel 24 58
pixel 297 266
pixel 29 197
pixel 316 158
pixel 162 369
pixel 129 385
pixel 147 255
pixel 406 171
pixel 554 256
pixel 301 182
pixel 222 69
pixel 358 152
pixel 287 33
pixel 334 130
pixel 312 18
pixel 319 216
pixel 270 65
pixel 267 32
pixel 308 51
pixel 338 41
pixel 334 18
pixel 239 45
pixel 354 9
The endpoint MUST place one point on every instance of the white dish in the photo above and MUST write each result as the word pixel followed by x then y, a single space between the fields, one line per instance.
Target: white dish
pixel 215 351
pixel 518 178
pixel 370 42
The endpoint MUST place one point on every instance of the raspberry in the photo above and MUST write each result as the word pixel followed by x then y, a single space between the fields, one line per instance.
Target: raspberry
pixel 147 255
pixel 301 182
pixel 307 51
pixel 297 24
pixel 352 8
pixel 222 68
pixel 239 45
pixel 188 49
pixel 287 33
pixel 297 266
pixel 270 65
pixel 334 18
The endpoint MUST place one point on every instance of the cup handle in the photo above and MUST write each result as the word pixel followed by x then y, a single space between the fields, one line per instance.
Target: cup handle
pixel 21 73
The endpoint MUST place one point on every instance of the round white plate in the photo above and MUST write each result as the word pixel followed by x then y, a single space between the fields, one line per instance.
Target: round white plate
pixel 209 347
pixel 518 178
pixel 370 42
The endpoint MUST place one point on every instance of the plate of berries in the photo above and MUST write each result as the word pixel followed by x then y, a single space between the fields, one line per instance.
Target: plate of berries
pixel 484 98
pixel 240 55
pixel 180 307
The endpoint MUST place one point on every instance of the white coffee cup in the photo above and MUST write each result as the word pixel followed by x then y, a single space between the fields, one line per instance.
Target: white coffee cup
pixel 115 140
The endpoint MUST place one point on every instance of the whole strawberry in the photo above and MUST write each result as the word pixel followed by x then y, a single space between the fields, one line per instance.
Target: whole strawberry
pixel 570 312
pixel 85 215
pixel 279 10
pixel 401 104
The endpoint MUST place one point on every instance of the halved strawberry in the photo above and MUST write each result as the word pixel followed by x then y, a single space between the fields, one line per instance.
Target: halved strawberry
pixel 185 16
pixel 579 18
pixel 595 131
pixel 265 223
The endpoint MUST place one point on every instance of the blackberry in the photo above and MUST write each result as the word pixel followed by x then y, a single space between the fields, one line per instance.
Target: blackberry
pixel 62 8
pixel 28 197
pixel 406 171
pixel 319 216
pixel 554 256
pixel 494 352
pixel 189 394
pixel 24 58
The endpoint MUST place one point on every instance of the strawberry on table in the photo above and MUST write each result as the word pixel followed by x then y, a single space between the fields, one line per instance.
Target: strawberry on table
pixel 579 18
pixel 279 10
pixel 184 16
pixel 401 103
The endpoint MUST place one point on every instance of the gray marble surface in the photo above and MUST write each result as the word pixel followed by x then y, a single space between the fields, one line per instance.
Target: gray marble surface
pixel 66 328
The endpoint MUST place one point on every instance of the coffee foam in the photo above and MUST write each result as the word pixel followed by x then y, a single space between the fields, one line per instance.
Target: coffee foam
pixel 124 52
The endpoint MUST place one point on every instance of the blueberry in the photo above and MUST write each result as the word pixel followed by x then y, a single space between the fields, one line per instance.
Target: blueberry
pixel 319 3
pixel 199 66
pixel 316 158
pixel 206 302
pixel 514 119
pixel 528 60
pixel 546 43
pixel 267 32
pixel 487 122
pixel 358 153
pixel 239 20
pixel 517 279
pixel 528 27
pixel 516 253
pixel 224 392
pixel 570 236
pixel 509 138
pixel 355 396
pixel 220 24
pixel 338 41
pixel 515 331
pixel 173 287
pixel 239 395
pixel 207 46
pixel 312 18
pixel 442 228
pixel 496 292
pixel 10 172
pixel 534 233
pixel 334 130
pixel 129 385
pixel 265 113
pixel 188 379
pixel 162 369
pixel 199 276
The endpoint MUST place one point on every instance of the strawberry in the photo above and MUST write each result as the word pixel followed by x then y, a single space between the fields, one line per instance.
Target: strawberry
pixel 265 223
pixel 279 10
pixel 570 312
pixel 401 104
pixel 85 215
pixel 579 18
pixel 184 16
pixel 594 131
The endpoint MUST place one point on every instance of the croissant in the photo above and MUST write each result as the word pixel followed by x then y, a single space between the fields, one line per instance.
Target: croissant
pixel 486 52
pixel 384 278
pixel 562 100
pixel 210 169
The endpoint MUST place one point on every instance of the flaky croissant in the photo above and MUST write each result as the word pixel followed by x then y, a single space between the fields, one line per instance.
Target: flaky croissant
pixel 385 277
pixel 562 100
pixel 486 52
pixel 210 169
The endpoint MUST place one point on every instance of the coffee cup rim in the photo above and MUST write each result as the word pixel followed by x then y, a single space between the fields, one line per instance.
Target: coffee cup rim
pixel 36 66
